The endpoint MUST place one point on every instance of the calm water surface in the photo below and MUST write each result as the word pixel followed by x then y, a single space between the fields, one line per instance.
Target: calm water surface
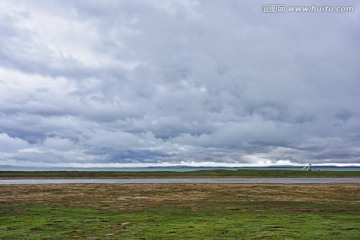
pixel 176 169
pixel 184 180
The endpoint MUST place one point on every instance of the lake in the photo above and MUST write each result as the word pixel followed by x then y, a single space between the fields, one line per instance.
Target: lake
pixel 185 181
pixel 176 168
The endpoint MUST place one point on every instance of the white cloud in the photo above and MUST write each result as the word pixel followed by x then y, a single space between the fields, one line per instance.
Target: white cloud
pixel 164 82
pixel 10 144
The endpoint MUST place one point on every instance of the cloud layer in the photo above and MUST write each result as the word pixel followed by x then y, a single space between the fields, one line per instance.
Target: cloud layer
pixel 94 83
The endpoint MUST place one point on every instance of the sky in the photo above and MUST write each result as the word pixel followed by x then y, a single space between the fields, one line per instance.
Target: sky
pixel 180 82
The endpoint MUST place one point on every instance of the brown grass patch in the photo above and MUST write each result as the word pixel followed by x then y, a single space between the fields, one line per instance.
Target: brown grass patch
pixel 134 196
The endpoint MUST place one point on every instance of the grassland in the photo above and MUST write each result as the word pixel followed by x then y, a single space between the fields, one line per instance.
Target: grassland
pixel 167 174
pixel 180 211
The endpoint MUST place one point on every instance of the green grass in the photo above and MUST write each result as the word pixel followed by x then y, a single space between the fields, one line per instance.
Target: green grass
pixel 180 211
pixel 260 220
pixel 166 174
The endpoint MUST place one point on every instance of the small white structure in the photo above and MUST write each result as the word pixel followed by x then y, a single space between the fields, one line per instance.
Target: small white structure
pixel 308 167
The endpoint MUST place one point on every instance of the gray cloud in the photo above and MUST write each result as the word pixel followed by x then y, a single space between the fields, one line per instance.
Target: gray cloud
pixel 198 82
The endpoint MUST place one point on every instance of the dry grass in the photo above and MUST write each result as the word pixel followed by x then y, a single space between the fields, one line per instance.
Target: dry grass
pixel 135 196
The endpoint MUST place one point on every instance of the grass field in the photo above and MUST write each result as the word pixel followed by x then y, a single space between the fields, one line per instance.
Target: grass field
pixel 180 211
pixel 167 174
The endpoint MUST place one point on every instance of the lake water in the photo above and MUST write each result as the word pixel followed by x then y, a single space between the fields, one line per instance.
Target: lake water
pixel 185 181
pixel 177 169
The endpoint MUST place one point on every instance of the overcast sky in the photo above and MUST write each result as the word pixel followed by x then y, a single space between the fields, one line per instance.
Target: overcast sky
pixel 142 82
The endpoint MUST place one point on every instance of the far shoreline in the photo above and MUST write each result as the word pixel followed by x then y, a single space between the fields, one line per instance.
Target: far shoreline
pixel 216 173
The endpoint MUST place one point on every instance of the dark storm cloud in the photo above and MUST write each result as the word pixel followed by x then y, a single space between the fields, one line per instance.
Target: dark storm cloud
pixel 85 83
